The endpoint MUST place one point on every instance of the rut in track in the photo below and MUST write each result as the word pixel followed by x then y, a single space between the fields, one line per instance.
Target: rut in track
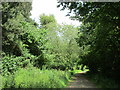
pixel 80 81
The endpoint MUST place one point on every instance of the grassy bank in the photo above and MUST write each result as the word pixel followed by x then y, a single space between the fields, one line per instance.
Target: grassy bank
pixel 35 78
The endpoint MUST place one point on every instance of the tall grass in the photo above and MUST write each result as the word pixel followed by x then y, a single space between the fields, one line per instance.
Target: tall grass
pixel 35 78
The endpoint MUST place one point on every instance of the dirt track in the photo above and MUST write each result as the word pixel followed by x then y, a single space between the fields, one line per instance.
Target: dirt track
pixel 80 81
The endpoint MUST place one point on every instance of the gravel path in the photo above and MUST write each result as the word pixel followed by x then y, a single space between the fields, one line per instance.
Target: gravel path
pixel 80 81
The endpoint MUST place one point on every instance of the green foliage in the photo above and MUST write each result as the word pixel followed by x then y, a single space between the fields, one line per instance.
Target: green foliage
pixel 26 46
pixel 10 64
pixel 20 34
pixel 21 37
pixel 34 78
pixel 9 81
pixel 39 61
pixel 95 44
pixel 99 35
pixel 12 9
pixel 2 81
pixel 13 14
pixel 44 19
pixel 61 49
pixel 73 72
pixel 51 44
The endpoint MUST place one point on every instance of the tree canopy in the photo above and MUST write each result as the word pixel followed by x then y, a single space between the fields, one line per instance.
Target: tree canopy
pixel 99 32
pixel 45 55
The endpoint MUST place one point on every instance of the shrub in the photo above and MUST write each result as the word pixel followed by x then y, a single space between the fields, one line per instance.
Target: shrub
pixel 11 64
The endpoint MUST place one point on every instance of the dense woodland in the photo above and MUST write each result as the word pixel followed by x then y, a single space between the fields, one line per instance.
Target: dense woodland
pixel 44 55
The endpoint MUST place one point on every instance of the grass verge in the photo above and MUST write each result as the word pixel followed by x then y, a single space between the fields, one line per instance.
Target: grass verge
pixel 35 78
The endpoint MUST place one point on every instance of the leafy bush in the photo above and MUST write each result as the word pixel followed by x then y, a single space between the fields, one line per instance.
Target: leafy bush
pixel 2 82
pixel 34 78
pixel 8 81
pixel 10 64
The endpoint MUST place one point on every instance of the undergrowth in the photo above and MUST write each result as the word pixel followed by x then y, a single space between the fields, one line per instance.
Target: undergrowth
pixel 34 78
pixel 102 81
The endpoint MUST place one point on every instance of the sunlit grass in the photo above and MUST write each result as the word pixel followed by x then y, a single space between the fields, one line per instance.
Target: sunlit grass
pixel 36 78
